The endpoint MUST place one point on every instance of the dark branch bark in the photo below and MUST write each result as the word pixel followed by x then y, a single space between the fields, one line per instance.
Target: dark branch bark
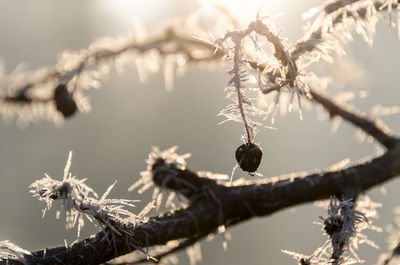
pixel 213 204
pixel 375 129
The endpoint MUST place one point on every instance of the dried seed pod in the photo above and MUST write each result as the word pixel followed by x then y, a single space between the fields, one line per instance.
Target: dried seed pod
pixel 248 157
pixel 64 101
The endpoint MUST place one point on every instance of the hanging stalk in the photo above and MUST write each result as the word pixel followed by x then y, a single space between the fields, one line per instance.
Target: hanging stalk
pixel 236 72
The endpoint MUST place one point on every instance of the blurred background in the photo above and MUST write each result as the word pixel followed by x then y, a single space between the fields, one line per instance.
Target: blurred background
pixel 128 118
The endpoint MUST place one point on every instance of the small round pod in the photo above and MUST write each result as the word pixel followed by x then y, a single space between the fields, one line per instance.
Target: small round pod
pixel 248 156
pixel 65 103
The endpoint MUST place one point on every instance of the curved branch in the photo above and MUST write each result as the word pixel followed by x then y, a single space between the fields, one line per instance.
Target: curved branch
pixel 229 205
pixel 375 129
pixel 170 43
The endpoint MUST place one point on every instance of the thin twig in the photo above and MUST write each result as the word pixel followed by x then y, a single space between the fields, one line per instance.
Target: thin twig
pixel 375 129
pixel 236 71
pixel 100 55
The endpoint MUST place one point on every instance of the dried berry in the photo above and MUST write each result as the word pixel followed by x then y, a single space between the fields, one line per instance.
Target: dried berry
pixel 64 101
pixel 248 157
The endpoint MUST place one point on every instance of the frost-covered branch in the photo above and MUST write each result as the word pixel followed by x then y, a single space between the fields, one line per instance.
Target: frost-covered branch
pixel 209 203
pixel 376 129
pixel 344 225
pixel 336 18
pixel 80 201
pixel 57 91
pixel 285 71
pixel 214 203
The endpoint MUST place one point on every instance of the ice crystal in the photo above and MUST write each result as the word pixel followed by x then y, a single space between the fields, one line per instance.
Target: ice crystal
pixel 392 256
pixel 194 253
pixel 79 201
pixel 237 45
pixel 9 250
pixel 145 182
pixel 344 225
pixel 170 157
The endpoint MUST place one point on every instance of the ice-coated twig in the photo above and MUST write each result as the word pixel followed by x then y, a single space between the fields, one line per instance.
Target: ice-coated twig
pixel 80 201
pixel 10 251
pixel 344 225
pixel 86 68
pixel 374 128
pixel 334 14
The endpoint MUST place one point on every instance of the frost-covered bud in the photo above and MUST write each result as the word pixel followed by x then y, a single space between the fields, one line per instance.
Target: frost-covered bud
pixel 333 224
pixel 64 101
pixel 248 157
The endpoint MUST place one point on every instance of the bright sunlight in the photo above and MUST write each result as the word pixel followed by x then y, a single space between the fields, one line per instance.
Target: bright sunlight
pixel 131 10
